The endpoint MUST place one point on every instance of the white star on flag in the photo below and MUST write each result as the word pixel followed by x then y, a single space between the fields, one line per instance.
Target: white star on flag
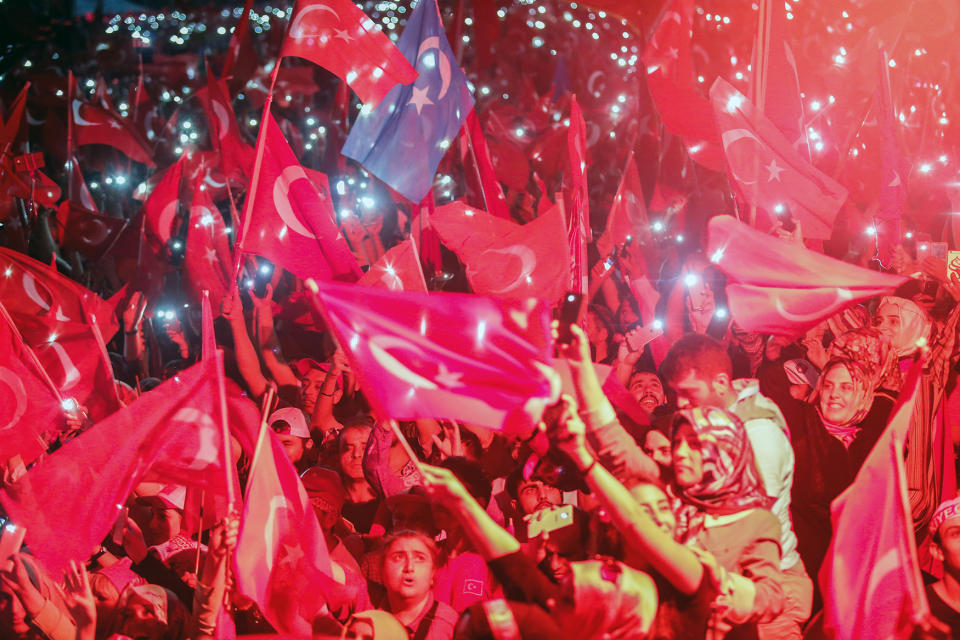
pixel 420 98
pixel 774 170
pixel 448 378
pixel 343 35
pixel 294 553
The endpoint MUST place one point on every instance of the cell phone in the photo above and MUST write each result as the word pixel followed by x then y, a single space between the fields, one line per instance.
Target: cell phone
pixel 548 520
pixel 953 264
pixel 11 539
pixel 119 526
pixel 608 263
pixel 263 277
pixel 569 315
pixel 639 337
pixel 938 250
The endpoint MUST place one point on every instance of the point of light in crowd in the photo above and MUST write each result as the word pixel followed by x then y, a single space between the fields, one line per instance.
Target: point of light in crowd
pixel 250 283
pixel 734 102
pixel 720 312
pixel 909 234
pixel 8 272
pixel 657 226
pixel 368 202
pixel 943 159
pixel 818 146
pixel 468 212
pixel 892 62
pixel 871 230
pixel 779 208
pixel 341 187
pixel 265 269
pixel 519 132
pixel 680 237
pixel 717 255
pixel 354 340
pixel 926 167
pixel 481 331
pixel 658 325
pixel 691 279
pixel 177 244
pixel 815 105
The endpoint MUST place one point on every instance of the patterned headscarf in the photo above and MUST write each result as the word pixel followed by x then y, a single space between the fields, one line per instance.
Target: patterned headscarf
pixel 874 351
pixel 863 387
pixel 731 481
pixel 851 318
pixel 914 324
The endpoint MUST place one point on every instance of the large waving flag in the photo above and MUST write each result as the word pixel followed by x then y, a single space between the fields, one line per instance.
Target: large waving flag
pixel 162 206
pixel 292 219
pixel 282 561
pixel 30 412
pixel 207 260
pixel 10 127
pixel 766 168
pixel 172 434
pixel 578 223
pixel 403 140
pixel 776 286
pixel 505 259
pixel 479 172
pixel 628 213
pixel 871 578
pixel 93 124
pixel 235 155
pixel 339 37
pixel 443 355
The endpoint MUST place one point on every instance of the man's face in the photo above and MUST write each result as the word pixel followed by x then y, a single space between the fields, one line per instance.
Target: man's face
pixel 164 524
pixel 657 446
pixel 555 553
pixel 655 503
pixel 648 390
pixel 408 568
pixel 353 442
pixel 13 617
pixel 534 495
pixel 293 445
pixel 950 543
pixel 687 457
pixel 309 389
pixel 693 391
pixel 596 332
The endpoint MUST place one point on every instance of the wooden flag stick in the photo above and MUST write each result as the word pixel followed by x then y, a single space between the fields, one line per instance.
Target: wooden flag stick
pixel 229 469
pixel 406 445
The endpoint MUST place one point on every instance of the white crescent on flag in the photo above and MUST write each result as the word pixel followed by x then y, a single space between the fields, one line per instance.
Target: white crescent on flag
pixel 843 296
pixel 433 42
pixel 76 116
pixel 296 28
pixel 281 199
pixel 528 263
pixel 10 379
pixel 379 349
pixel 223 119
pixel 269 528
pixel 71 375
pixel 729 137
pixel 30 288
pixel 206 429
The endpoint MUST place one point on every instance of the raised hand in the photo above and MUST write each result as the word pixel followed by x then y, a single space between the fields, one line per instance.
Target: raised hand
pixel 80 600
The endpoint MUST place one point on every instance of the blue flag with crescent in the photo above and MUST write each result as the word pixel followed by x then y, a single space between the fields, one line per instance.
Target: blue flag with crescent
pixel 404 138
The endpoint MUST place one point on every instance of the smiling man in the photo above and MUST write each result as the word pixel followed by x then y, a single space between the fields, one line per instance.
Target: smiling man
pixel 944 595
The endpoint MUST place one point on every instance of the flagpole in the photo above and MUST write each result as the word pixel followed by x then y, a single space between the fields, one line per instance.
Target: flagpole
pixel 70 131
pixel 405 444
pixel 254 178
pixel 95 328
pixel 229 471
pixel 476 165
pixel 30 352
pixel 261 435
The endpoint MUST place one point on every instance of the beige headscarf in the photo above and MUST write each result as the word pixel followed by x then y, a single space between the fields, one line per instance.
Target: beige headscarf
pixel 914 324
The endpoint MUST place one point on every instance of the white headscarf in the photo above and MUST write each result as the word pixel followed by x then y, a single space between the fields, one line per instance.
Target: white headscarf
pixel 914 324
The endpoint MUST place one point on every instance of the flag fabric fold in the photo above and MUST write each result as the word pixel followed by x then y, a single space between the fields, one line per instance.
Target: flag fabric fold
pixel 404 138
pixel 628 213
pixel 776 286
pixel 339 37
pixel 871 577
pixel 440 355
pixel 398 269
pixel 95 125
pixel 505 259
pixel 766 168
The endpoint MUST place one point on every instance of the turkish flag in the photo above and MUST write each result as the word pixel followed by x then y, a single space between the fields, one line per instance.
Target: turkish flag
pixel 208 261
pixel 483 179
pixel 30 414
pixel 236 155
pixel 670 80
pixel 505 259
pixel 628 214
pixel 871 578
pixel 443 355
pixel 96 125
pixel 397 270
pixel 70 500
pixel 766 168
pixel 85 231
pixel 291 220
pixel 161 207
pixel 282 561
pixel 78 191
pixel 894 169
pixel 239 42
pixel 30 288
pixel 208 344
pixel 339 37
pixel 15 183
pixel 578 223
pixel 76 361
pixel 777 286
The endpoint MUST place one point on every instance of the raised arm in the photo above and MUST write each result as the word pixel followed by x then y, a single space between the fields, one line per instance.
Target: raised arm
pixel 267 341
pixel 247 361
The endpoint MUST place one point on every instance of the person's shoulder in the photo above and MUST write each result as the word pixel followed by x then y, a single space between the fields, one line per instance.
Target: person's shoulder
pixel 445 615
pixel 763 522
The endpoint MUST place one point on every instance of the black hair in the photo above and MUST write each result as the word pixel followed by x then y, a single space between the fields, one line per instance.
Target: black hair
pixel 471 475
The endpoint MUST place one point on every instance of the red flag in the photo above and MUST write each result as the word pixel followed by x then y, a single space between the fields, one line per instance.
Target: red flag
pixel 79 193
pixel 767 170
pixel 775 81
pixel 505 259
pixel 239 41
pixel 670 79
pixel 479 171
pixel 85 231
pixel 208 345
pixel 398 269
pixel 30 413
pixel 291 220
pixel 440 355
pixel 235 154
pixel 208 262
pixel 10 127
pixel 161 207
pixel 171 435
pixel 893 168
pixel 777 286
pixel 96 125
pixel 628 214
pixel 282 558
pixel 578 223
pixel 30 288
pixel 871 578
pixel 341 38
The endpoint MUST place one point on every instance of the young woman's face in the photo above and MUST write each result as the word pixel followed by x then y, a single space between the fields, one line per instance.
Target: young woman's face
pixel 838 397
pixel 687 457
pixel 408 568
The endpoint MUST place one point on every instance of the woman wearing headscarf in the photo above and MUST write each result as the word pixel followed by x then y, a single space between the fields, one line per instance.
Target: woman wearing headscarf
pixel 725 509
pixel 831 437
pixel 929 454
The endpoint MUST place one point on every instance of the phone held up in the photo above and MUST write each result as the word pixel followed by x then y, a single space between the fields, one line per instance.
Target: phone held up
pixel 569 315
